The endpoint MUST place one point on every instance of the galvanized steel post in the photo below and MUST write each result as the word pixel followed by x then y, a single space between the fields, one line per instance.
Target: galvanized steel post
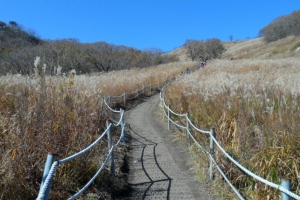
pixel 187 129
pixel 212 134
pixel 285 183
pixel 51 157
pixel 110 145
pixel 102 104
pixel 122 126
pixel 168 117
pixel 124 100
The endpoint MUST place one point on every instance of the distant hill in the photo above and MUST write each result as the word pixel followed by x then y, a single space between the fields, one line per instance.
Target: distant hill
pixel 253 49
pixel 13 37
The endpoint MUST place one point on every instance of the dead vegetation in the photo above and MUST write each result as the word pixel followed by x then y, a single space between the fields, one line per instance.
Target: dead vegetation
pixel 61 114
pixel 253 102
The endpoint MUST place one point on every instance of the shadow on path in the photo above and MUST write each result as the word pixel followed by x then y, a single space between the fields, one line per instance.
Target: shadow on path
pixel 157 164
pixel 148 156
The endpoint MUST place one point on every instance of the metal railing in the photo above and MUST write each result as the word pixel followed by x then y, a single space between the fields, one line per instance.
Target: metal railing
pixel 284 187
pixel 52 161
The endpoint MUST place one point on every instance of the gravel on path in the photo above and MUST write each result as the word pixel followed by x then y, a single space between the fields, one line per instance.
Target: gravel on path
pixel 158 163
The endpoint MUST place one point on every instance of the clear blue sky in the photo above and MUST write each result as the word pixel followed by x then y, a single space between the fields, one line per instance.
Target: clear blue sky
pixel 142 24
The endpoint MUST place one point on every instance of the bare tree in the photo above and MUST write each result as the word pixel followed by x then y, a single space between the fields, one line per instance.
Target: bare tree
pixel 192 47
pixel 203 50
pixel 13 24
pixel 2 24
pixel 282 27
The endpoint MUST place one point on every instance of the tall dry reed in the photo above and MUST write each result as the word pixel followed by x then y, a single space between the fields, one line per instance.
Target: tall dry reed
pixel 63 115
pixel 254 106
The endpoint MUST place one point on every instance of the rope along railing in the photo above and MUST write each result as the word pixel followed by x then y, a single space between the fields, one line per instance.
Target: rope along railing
pixel 110 99
pixel 284 187
pixel 52 161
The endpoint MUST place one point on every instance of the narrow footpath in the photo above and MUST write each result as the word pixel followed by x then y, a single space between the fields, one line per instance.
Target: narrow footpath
pixel 158 162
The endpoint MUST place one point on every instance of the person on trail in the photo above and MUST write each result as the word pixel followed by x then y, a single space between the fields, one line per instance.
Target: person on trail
pixel 187 71
pixel 202 64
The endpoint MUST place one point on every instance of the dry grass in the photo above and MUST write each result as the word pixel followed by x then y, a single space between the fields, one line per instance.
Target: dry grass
pixel 254 106
pixel 258 49
pixel 60 115
pixel 253 102
pixel 254 49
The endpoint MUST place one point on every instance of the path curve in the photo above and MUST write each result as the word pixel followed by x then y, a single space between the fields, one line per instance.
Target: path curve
pixel 157 162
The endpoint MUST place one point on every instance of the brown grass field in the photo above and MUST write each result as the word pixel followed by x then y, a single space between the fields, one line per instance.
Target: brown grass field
pixel 252 101
pixel 60 115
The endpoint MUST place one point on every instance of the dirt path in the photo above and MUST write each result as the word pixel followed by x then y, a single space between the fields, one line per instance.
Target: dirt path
pixel 158 166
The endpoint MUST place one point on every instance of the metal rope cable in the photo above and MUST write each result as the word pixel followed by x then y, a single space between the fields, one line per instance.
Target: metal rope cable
pixel 121 118
pixel 225 177
pixel 276 186
pixel 117 96
pixel 199 130
pixel 197 143
pixel 47 180
pixel 57 163
pixel 112 120
pixel 100 169
pixel 173 121
pixel 94 177
pixel 86 149
pixel 133 97
pixel 179 115
pixel 115 99
pixel 116 111
pixel 62 161
pixel 136 91
pixel 133 92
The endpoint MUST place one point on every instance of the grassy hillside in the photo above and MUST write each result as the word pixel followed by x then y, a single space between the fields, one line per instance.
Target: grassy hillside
pixel 253 102
pixel 253 49
pixel 259 49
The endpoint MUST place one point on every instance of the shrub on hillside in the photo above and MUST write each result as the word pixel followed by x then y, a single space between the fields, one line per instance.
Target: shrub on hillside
pixel 203 50
pixel 282 27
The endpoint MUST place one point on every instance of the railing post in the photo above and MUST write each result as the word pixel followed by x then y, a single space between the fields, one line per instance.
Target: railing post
pixel 150 89
pixel 168 117
pixel 124 98
pixel 108 102
pixel 212 134
pixel 51 157
pixel 122 126
pixel 110 145
pixel 101 104
pixel 187 129
pixel 285 183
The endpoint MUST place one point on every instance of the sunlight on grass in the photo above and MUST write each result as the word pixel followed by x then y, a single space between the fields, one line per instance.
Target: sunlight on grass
pixel 254 106
pixel 61 115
